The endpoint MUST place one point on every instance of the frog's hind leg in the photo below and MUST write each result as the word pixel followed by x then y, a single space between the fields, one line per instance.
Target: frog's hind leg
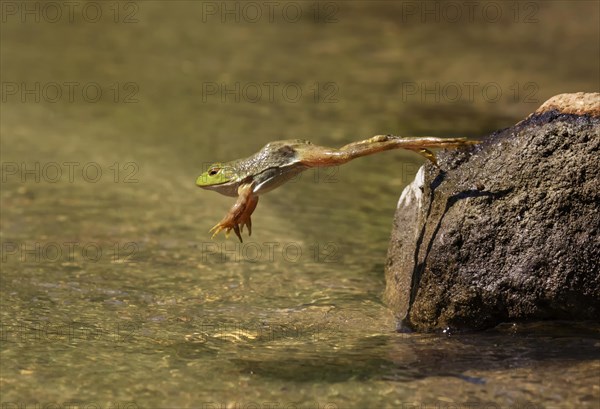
pixel 322 156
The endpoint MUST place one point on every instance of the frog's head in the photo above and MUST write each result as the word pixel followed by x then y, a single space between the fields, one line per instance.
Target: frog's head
pixel 220 177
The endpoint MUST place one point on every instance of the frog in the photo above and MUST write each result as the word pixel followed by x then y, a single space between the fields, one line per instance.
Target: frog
pixel 280 161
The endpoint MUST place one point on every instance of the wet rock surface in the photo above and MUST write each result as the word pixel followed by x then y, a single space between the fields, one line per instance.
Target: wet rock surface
pixel 508 231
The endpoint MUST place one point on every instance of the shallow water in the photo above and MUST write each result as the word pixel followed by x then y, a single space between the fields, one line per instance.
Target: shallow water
pixel 113 294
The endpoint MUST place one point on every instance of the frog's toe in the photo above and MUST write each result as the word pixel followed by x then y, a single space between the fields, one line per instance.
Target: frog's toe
pixel 248 224
pixel 237 218
pixel 227 227
pixel 219 227
pixel 427 154
pixel 216 230
pixel 245 218
pixel 236 229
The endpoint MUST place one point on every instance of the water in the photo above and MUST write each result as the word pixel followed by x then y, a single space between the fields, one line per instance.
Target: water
pixel 112 292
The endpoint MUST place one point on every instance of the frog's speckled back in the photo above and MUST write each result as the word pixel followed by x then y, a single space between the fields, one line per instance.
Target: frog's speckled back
pixel 277 154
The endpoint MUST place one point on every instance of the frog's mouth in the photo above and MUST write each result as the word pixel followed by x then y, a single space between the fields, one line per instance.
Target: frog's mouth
pixel 227 187
pixel 204 182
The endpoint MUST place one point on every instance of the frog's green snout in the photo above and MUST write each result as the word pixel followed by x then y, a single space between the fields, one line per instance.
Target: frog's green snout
pixel 216 175
pixel 201 180
pixel 205 180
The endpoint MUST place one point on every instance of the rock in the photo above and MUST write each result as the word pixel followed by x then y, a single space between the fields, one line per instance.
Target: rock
pixel 508 231
pixel 580 103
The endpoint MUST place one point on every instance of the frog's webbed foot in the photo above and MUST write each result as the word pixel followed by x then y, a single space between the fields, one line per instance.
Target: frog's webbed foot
pixel 427 154
pixel 420 144
pixel 239 214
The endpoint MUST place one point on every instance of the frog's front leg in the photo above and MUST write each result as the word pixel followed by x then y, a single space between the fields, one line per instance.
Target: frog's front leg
pixel 239 214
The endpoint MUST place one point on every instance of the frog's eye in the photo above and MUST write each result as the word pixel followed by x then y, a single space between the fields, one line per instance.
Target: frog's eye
pixel 213 171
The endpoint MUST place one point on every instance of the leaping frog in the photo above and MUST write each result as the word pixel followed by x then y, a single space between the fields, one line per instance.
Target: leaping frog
pixel 280 161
